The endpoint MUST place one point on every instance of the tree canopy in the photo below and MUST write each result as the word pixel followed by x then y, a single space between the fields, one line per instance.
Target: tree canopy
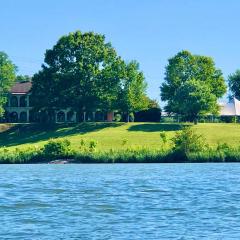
pixel 23 78
pixel 7 78
pixel 83 72
pixel 192 85
pixel 234 84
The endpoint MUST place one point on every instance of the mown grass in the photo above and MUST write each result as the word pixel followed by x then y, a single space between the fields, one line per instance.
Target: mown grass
pixel 115 136
pixel 119 143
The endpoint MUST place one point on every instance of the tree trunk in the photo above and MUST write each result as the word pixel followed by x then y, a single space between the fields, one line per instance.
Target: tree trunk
pixel 127 117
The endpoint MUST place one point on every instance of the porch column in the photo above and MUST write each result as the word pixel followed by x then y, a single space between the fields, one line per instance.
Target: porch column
pixel 75 117
pixel 18 99
pixel 27 101
pixel 27 115
pixel 94 116
pixel 84 116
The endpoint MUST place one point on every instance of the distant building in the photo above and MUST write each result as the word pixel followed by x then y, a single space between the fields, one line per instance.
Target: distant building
pixel 19 108
pixel 18 104
pixel 231 108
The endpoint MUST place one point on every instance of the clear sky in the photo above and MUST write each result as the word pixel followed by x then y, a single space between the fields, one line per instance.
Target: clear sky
pixel 149 31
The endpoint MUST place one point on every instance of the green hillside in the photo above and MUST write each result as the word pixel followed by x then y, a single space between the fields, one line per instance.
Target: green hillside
pixel 111 135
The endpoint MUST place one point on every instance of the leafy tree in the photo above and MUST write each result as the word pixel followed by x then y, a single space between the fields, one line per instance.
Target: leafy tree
pixel 234 84
pixel 187 141
pixel 198 79
pixel 196 98
pixel 81 71
pixel 132 94
pixel 85 73
pixel 7 78
pixel 23 78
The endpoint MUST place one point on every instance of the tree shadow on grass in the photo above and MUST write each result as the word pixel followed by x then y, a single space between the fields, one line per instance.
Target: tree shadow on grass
pixel 33 133
pixel 156 127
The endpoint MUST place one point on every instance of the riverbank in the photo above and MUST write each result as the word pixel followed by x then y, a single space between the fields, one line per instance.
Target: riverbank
pixel 114 143
pixel 112 136
pixel 32 155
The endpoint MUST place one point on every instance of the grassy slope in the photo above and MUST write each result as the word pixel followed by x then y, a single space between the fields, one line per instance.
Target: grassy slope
pixel 111 135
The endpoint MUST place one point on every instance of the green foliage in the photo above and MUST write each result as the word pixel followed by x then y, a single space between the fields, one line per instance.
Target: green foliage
pixel 84 72
pixel 163 137
pixel 228 119
pixel 92 145
pixel 149 115
pixel 196 98
pixel 234 84
pixel 187 141
pixel 132 93
pixel 117 117
pixel 23 78
pixel 197 79
pixel 124 141
pixel 57 147
pixel 7 78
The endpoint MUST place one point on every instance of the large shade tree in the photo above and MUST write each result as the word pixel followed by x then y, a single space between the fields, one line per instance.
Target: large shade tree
pixel 192 85
pixel 7 78
pixel 84 72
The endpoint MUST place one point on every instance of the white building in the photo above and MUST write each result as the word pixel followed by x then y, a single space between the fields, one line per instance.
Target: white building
pixel 230 109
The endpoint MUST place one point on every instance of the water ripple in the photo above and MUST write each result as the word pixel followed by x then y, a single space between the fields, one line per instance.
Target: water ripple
pixel 141 201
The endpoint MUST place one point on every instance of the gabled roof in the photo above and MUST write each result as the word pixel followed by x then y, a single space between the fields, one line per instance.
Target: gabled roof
pixel 21 87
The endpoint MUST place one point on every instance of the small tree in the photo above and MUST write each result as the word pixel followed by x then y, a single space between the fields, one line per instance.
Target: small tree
pixel 132 93
pixel 187 141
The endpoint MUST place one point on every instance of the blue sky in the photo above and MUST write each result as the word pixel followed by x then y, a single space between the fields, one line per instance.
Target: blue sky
pixel 149 31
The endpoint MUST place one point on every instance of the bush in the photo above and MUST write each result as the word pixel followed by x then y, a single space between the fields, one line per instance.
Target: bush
pixel 124 142
pixel 149 115
pixel 58 147
pixel 92 145
pixel 228 119
pixel 163 137
pixel 117 117
pixel 187 141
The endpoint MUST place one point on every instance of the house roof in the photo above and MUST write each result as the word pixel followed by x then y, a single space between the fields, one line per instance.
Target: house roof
pixel 230 109
pixel 21 87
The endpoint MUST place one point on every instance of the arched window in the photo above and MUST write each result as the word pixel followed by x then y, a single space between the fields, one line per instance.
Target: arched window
pixel 14 101
pixel 23 117
pixel 13 117
pixel 60 116
pixel 23 101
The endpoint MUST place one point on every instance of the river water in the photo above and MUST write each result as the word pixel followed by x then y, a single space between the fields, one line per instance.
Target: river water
pixel 120 201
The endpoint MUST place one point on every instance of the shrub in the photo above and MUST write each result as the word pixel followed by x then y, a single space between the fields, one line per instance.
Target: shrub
pixel 58 147
pixel 149 115
pixel 187 141
pixel 117 117
pixel 92 145
pixel 163 137
pixel 124 141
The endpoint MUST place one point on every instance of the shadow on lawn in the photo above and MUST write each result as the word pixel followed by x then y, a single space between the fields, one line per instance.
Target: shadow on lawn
pixel 156 127
pixel 32 133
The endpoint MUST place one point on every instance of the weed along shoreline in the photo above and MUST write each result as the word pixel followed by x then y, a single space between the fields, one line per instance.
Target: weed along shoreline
pixel 119 143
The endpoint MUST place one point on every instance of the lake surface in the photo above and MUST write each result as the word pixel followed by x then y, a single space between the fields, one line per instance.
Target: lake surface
pixel 121 201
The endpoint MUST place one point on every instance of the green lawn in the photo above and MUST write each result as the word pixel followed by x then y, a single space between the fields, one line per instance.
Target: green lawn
pixel 111 135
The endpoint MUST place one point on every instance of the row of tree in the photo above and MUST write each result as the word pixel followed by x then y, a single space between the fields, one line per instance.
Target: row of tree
pixel 84 72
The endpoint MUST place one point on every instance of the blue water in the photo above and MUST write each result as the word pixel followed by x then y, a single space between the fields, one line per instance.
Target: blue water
pixel 141 201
